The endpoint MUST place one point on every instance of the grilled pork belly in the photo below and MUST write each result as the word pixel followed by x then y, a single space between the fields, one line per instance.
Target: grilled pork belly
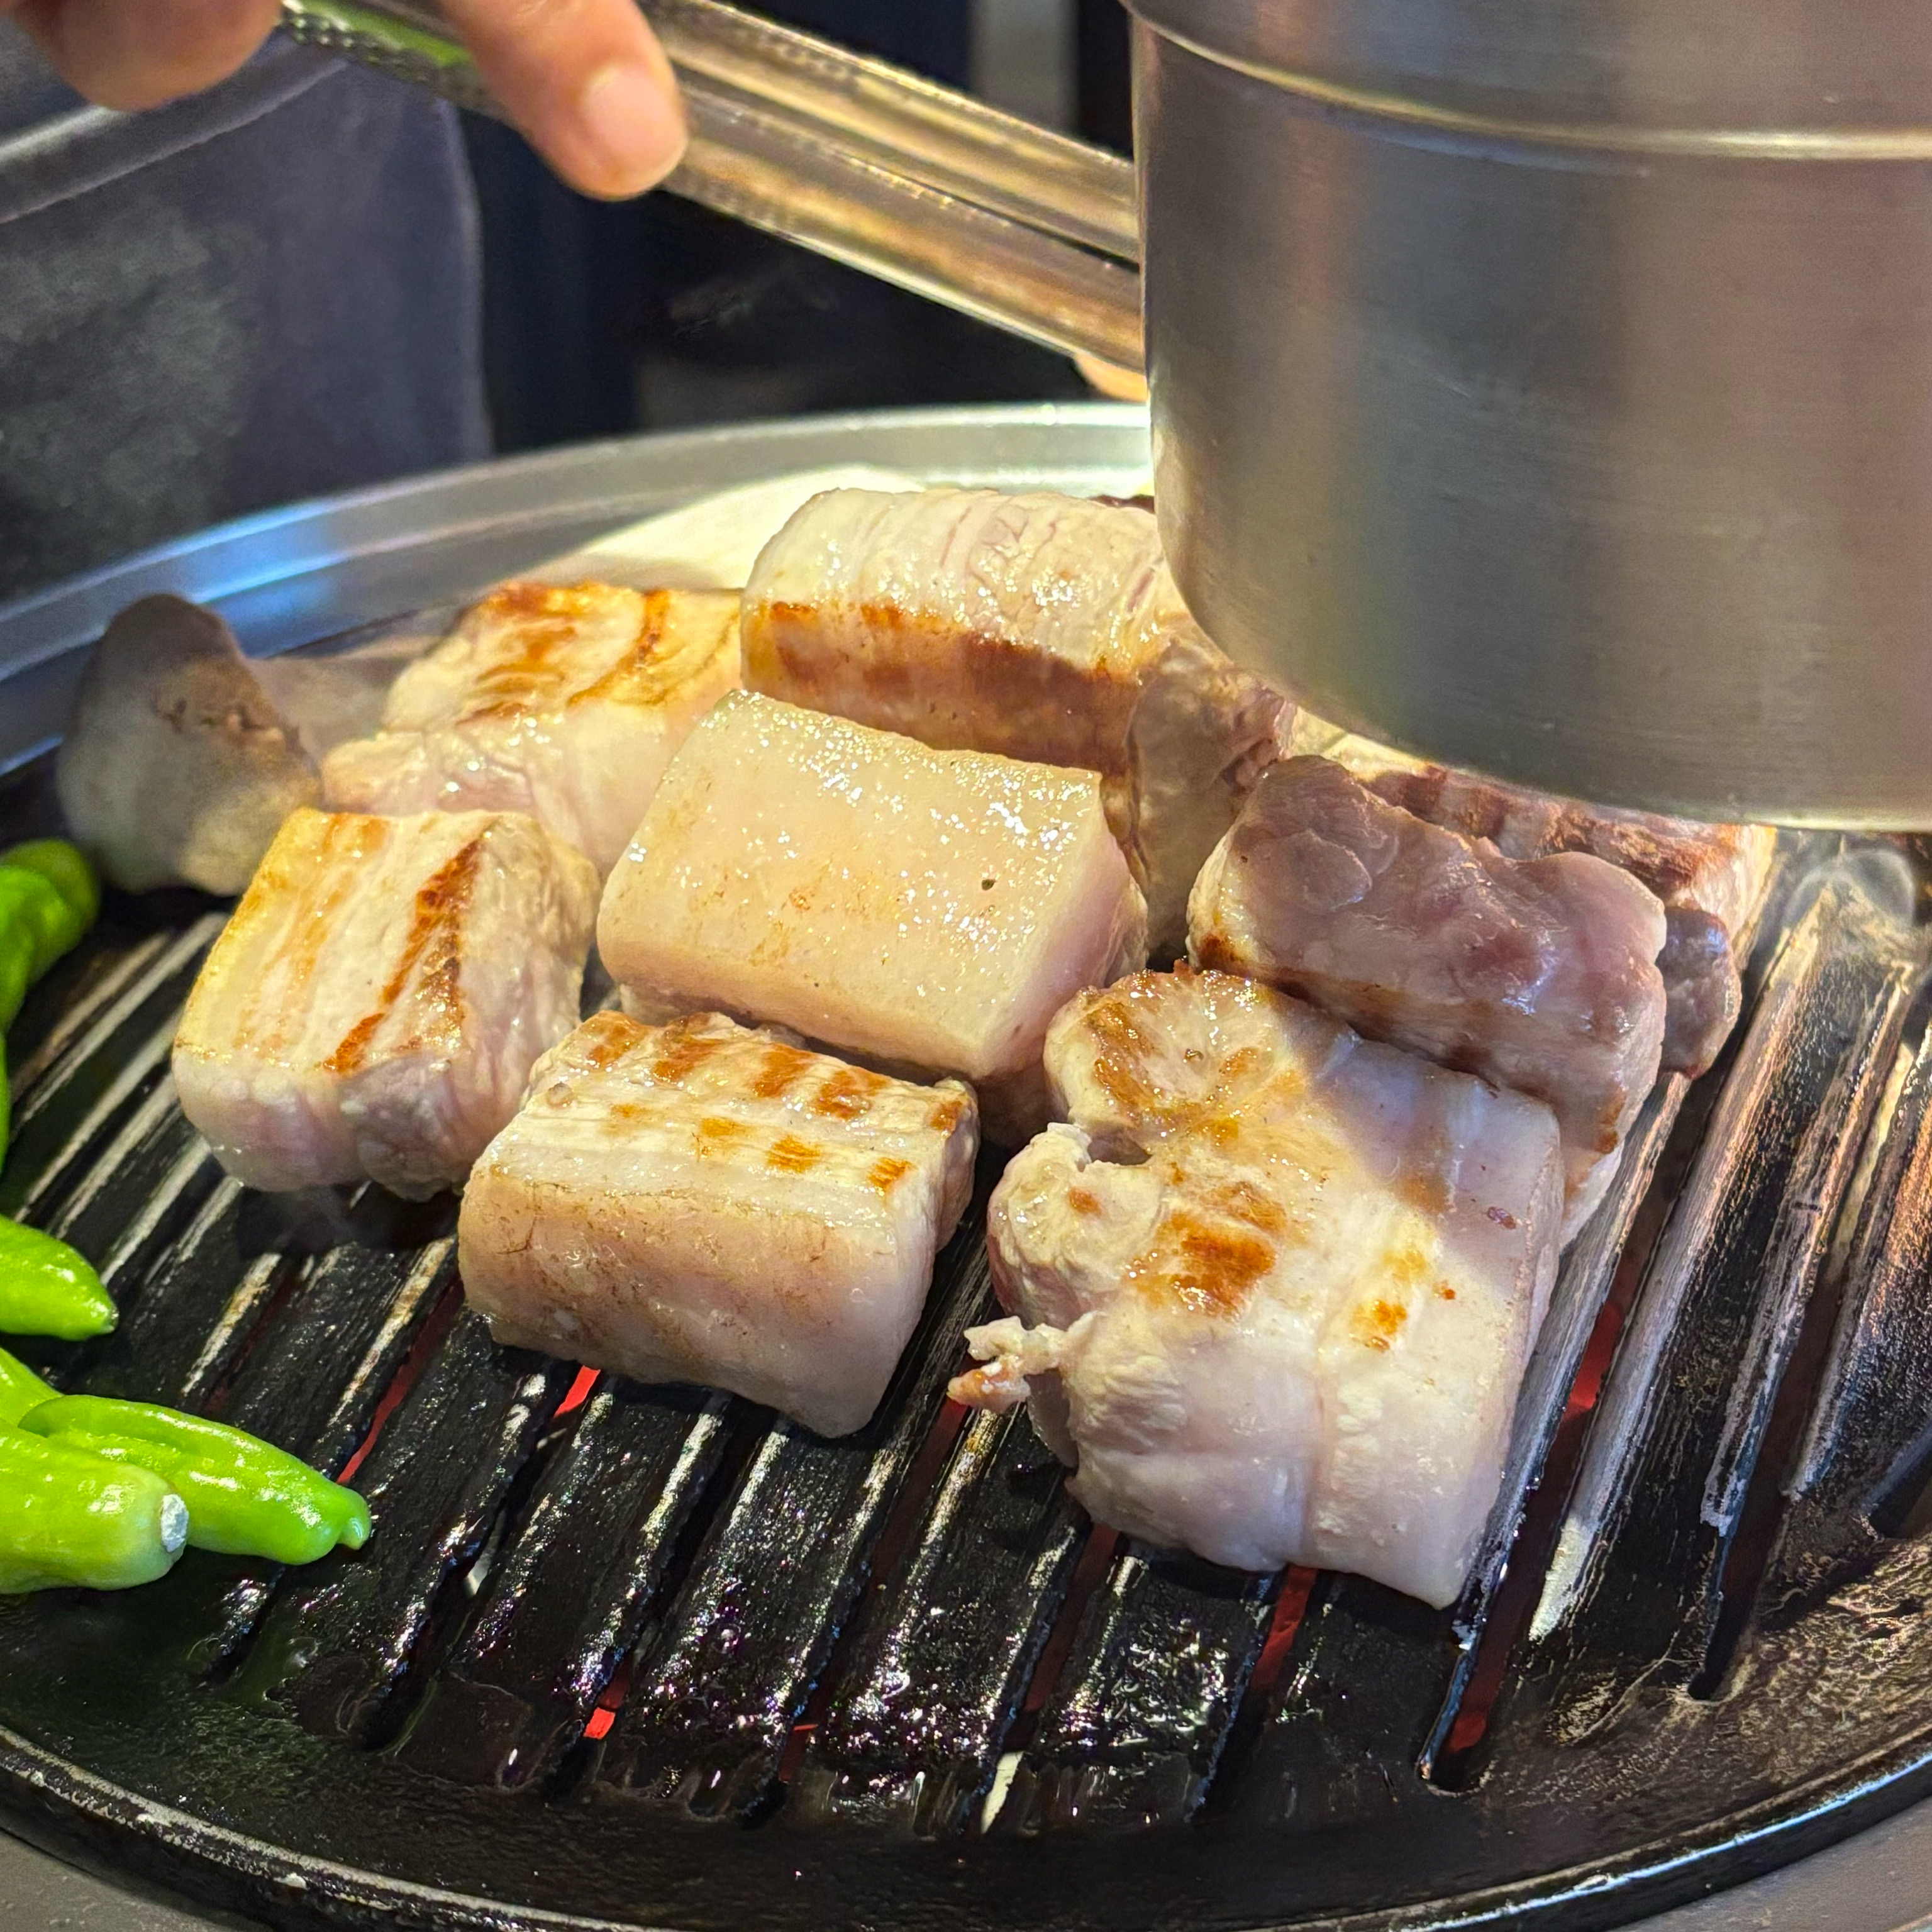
pixel 1273 1287
pixel 926 911
pixel 1710 878
pixel 564 702
pixel 1540 975
pixel 374 1006
pixel 702 1203
pixel 1041 627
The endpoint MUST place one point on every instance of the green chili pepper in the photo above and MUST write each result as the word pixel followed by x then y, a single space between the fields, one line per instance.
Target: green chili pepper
pixel 16 969
pixel 30 904
pixel 64 868
pixel 46 1289
pixel 20 1390
pixel 243 1497
pixel 67 1517
pixel 48 899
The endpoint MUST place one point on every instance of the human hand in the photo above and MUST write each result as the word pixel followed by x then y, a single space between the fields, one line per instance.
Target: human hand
pixel 585 80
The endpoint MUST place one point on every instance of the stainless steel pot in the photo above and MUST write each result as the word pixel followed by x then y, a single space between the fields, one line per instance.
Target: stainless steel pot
pixel 1545 386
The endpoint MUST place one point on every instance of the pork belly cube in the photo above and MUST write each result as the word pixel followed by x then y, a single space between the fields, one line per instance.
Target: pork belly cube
pixel 1039 626
pixel 374 1006
pixel 1711 878
pixel 926 911
pixel 703 1202
pixel 565 703
pixel 1540 975
pixel 1273 1286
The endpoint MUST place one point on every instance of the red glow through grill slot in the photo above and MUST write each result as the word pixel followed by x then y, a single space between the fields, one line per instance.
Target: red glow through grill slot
pixel 425 1346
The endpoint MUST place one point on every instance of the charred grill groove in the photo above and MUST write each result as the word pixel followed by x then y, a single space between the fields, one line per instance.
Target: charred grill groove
pixel 1134 1729
pixel 1633 1598
pixel 566 1600
pixel 912 1736
pixel 713 1698
pixel 343 1635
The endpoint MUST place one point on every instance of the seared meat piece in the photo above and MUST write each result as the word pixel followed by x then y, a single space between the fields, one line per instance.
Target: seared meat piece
pixel 1710 878
pixel 1041 627
pixel 375 1004
pixel 702 1203
pixel 566 703
pixel 1541 975
pixel 927 911
pixel 1275 1286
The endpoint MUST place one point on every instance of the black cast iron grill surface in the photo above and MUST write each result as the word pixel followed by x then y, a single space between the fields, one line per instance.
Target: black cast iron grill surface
pixel 652 1658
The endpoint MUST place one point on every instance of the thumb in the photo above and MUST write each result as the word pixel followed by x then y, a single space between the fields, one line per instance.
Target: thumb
pixel 585 80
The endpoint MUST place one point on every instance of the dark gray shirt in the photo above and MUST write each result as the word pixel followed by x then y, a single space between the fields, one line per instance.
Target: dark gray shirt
pixel 259 294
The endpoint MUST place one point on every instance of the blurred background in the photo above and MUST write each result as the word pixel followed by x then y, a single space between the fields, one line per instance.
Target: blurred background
pixel 601 319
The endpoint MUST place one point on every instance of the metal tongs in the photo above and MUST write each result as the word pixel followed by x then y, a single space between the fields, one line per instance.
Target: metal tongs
pixel 851 157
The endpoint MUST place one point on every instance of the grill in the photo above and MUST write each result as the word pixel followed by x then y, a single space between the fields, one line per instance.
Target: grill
pixel 648 1658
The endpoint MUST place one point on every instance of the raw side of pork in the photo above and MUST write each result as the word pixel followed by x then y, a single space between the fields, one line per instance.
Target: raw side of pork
pixel 702 1202
pixel 1038 626
pixel 1539 975
pixel 1711 878
pixel 926 911
pixel 1273 1286
pixel 566 703
pixel 374 1006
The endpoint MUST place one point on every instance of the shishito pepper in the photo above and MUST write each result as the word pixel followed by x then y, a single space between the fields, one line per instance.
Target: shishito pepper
pixel 47 1289
pixel 48 899
pixel 64 868
pixel 69 1518
pixel 16 968
pixel 30 903
pixel 20 1390
pixel 244 1497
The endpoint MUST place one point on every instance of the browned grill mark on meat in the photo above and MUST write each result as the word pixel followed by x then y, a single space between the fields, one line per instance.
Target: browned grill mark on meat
pixel 1376 1324
pixel 782 1066
pixel 687 1051
pixel 848 1094
pixel 1211 1269
pixel 546 618
pixel 607 1038
pixel 274 1008
pixel 434 947
pixel 715 1134
pixel 1406 1265
pixel 790 1155
pixel 1242 1200
pixel 637 677
pixel 1120 1067
pixel 887 1172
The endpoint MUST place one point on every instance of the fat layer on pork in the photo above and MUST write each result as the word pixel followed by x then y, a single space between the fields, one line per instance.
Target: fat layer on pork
pixel 1273 1286
pixel 374 1006
pixel 1711 878
pixel 703 1202
pixel 566 703
pixel 927 911
pixel 1540 975
pixel 1039 626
